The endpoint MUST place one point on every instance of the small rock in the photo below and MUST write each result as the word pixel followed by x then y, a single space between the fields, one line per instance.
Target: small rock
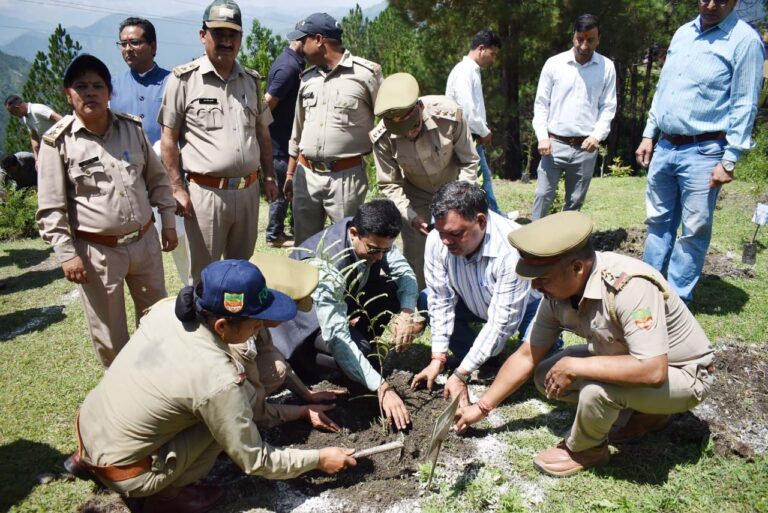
pixel 44 479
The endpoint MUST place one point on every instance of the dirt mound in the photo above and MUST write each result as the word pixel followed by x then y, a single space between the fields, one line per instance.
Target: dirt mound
pixel 631 242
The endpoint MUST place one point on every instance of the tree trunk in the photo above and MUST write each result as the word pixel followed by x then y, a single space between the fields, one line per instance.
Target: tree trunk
pixel 510 88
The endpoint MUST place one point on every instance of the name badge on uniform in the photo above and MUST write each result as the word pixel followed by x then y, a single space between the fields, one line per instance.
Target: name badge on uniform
pixel 208 101
pixel 88 162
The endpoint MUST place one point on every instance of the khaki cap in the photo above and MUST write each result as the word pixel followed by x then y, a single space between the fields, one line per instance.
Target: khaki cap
pixel 291 277
pixel 395 100
pixel 223 14
pixel 543 242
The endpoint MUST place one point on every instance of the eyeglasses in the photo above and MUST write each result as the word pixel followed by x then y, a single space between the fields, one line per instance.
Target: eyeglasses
pixel 718 2
pixel 373 250
pixel 133 43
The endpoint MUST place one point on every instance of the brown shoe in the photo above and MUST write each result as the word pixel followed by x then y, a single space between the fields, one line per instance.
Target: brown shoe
pixel 190 499
pixel 282 241
pixel 560 461
pixel 639 425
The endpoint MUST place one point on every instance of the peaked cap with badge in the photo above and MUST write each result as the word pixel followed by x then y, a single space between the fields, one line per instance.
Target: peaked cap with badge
pixel 544 242
pixel 223 14
pixel 395 103
pixel 295 278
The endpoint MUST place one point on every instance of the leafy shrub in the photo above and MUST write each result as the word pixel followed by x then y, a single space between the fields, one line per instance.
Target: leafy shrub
pixel 17 214
pixel 619 168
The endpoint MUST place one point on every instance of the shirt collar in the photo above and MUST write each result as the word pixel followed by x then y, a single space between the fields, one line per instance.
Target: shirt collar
pixel 78 125
pixel 470 62
pixel 206 66
pixel 594 287
pixel 726 25
pixel 150 70
pixel 487 248
pixel 572 58
pixel 429 124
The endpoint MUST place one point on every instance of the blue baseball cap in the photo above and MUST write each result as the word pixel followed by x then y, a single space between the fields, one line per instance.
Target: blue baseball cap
pixel 237 288
pixel 317 23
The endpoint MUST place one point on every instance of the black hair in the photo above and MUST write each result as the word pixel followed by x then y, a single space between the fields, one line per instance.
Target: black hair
pixel 585 252
pixel 13 100
pixel 149 30
pixel 465 198
pixel 485 38
pixel 86 62
pixel 378 217
pixel 586 22
pixel 9 161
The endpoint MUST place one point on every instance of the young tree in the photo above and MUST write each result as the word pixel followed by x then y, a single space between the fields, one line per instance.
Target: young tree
pixel 261 49
pixel 44 85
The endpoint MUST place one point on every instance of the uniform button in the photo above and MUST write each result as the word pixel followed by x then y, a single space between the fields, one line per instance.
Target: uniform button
pixel 122 194
pixel 141 98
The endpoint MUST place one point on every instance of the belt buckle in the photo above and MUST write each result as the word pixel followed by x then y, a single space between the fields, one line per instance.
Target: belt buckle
pixel 128 238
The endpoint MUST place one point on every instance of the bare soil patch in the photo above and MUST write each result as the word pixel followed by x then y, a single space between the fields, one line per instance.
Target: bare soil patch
pixel 631 241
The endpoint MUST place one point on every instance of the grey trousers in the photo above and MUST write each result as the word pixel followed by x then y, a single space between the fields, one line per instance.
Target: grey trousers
pixel 578 165
pixel 599 404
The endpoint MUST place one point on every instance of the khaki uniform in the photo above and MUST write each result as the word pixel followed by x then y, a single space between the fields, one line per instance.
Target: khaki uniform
pixel 410 172
pixel 334 113
pixel 107 186
pixel 218 121
pixel 176 394
pixel 647 326
pixel 267 371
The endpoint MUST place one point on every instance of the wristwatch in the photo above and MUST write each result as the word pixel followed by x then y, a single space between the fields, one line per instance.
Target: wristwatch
pixel 728 165
pixel 464 378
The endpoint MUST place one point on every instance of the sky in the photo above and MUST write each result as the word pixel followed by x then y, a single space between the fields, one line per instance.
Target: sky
pixel 85 12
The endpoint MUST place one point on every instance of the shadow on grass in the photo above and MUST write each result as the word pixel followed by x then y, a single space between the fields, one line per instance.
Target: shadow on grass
pixel 715 296
pixel 26 321
pixel 30 280
pixel 20 463
pixel 24 258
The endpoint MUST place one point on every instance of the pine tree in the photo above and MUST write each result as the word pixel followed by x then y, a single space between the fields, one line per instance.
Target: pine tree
pixel 44 85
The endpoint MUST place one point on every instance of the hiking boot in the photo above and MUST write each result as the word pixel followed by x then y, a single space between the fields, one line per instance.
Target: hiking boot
pixel 282 241
pixel 639 425
pixel 560 461
pixel 189 499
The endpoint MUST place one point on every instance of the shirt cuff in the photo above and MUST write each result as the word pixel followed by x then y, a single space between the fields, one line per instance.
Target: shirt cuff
pixel 731 154
pixel 649 132
pixel 168 218
pixel 440 344
pixel 65 251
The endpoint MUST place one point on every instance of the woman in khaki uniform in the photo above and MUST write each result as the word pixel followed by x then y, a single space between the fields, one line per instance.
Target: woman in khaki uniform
pixel 99 179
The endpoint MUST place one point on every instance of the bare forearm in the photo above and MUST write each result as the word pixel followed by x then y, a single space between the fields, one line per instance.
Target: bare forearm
pixel 265 146
pixel 515 371
pixel 622 370
pixel 171 156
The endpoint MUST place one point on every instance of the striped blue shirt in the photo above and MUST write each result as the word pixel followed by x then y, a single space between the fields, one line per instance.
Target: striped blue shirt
pixel 487 284
pixel 710 82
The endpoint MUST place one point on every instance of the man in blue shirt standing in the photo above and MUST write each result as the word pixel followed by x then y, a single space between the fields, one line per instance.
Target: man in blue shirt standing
pixel 282 89
pixel 704 109
pixel 139 90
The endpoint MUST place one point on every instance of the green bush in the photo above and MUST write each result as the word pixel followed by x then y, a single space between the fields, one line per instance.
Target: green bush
pixel 753 168
pixel 17 214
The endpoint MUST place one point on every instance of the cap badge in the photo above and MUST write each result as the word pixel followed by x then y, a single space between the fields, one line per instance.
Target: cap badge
pixel 263 295
pixel 225 12
pixel 234 301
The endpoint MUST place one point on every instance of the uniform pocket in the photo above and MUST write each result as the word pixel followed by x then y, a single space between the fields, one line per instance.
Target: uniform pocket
pixel 90 180
pixel 342 107
pixel 309 103
pixel 211 117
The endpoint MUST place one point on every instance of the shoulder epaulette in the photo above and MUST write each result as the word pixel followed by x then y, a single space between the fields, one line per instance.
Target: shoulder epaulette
pixel 178 71
pixel 129 117
pixel 447 113
pixel 306 71
pixel 615 284
pixel 56 130
pixel 252 72
pixel 377 132
pixel 373 66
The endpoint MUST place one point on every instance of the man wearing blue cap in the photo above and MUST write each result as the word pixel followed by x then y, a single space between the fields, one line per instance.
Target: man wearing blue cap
pixel 176 398
pixel 334 113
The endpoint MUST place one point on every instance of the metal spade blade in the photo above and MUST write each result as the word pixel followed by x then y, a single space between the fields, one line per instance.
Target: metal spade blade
pixel 439 433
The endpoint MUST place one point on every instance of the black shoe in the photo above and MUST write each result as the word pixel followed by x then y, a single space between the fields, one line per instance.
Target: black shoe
pixel 75 466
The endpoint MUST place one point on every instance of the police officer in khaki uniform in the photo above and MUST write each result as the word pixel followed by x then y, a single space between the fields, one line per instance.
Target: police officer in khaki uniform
pixel 266 368
pixel 175 398
pixel 334 113
pixel 419 145
pixel 215 128
pixel 99 179
pixel 646 355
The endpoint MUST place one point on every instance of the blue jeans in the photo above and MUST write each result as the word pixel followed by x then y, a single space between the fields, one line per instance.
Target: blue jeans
pixel 278 208
pixel 463 335
pixel 678 192
pixel 485 171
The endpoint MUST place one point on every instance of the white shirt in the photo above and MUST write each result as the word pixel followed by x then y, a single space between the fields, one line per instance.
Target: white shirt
pixel 486 282
pixel 573 99
pixel 38 118
pixel 466 87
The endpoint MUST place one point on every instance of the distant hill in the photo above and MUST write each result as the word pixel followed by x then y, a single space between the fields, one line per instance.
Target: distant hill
pixel 14 71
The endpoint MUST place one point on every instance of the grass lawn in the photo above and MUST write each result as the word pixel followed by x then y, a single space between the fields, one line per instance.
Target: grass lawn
pixel 47 365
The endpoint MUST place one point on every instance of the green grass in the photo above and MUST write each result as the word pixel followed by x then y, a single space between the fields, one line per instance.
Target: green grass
pixel 45 373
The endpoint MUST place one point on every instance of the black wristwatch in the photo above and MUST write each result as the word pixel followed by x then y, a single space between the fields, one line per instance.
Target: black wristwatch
pixel 464 378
